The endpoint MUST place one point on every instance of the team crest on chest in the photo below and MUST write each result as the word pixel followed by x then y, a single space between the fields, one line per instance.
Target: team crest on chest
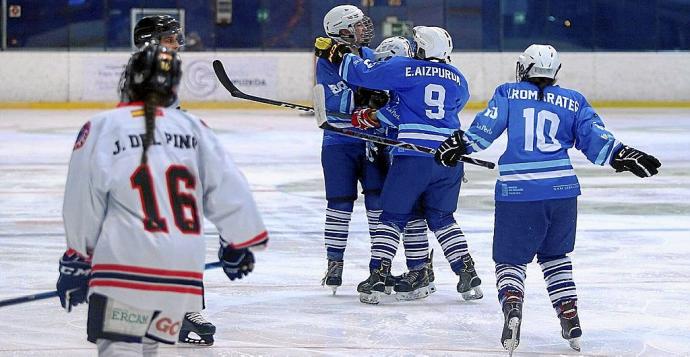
pixel 83 134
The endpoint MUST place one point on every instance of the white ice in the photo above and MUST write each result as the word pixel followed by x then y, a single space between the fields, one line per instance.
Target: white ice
pixel 632 257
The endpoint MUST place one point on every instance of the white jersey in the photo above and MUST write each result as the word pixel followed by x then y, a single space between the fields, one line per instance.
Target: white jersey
pixel 143 225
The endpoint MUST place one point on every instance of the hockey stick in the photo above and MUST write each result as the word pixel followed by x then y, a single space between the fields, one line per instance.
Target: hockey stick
pixel 321 121
pixel 50 294
pixel 237 93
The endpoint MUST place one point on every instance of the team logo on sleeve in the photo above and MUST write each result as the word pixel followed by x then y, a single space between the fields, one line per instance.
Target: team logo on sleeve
pixel 83 134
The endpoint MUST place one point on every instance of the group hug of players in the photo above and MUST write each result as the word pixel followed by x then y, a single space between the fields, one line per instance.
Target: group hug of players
pixel 410 91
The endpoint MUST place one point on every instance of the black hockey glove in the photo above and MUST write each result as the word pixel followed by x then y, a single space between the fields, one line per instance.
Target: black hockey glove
pixel 371 98
pixel 236 262
pixel 450 150
pixel 73 284
pixel 635 161
pixel 327 49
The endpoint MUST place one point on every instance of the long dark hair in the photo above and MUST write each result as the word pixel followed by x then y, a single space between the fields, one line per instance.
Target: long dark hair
pixel 541 82
pixel 151 103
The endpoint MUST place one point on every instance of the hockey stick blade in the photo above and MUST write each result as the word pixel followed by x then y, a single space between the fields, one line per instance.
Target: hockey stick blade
pixel 237 93
pixel 51 294
pixel 322 122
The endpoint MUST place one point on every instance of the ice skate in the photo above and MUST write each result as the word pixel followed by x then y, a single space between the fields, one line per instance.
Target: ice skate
pixel 196 330
pixel 413 285
pixel 371 290
pixel 469 282
pixel 512 313
pixel 430 272
pixel 334 275
pixel 570 324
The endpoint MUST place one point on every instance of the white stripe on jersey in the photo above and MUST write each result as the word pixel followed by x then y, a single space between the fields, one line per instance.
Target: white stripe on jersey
pixel 537 175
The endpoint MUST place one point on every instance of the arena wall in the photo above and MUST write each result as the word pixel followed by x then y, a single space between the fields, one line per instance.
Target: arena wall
pixel 83 79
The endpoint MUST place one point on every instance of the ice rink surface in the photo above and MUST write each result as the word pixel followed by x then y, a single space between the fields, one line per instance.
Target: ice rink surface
pixel 631 261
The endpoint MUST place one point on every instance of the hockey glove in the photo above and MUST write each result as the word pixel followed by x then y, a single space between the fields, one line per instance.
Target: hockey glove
pixel 321 46
pixel 635 161
pixel 365 118
pixel 73 284
pixel 449 152
pixel 333 52
pixel 236 262
pixel 371 98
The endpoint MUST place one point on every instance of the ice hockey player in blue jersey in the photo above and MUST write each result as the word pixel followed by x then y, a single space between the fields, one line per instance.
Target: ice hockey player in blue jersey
pixel 536 191
pixel 344 159
pixel 431 92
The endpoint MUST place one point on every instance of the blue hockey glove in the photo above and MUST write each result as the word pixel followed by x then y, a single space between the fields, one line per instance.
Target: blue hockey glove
pixel 73 284
pixel 236 262
pixel 635 161
pixel 450 150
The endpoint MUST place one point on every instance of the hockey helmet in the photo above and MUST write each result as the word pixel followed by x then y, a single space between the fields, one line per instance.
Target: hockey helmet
pixel 432 43
pixel 393 46
pixel 155 28
pixel 339 24
pixel 537 61
pixel 152 70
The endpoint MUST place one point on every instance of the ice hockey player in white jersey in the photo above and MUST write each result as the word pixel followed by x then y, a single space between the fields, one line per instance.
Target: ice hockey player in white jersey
pixel 141 178
pixel 166 31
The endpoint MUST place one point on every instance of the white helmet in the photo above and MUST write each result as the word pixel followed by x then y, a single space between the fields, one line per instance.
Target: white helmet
pixel 393 46
pixel 345 17
pixel 432 43
pixel 538 61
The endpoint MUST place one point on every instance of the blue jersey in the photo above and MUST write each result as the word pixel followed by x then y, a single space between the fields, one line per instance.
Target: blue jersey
pixel 339 98
pixel 429 95
pixel 536 165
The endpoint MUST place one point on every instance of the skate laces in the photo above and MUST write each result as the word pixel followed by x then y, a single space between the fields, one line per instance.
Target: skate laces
pixel 568 309
pixel 335 268
pixel 411 276
pixel 196 318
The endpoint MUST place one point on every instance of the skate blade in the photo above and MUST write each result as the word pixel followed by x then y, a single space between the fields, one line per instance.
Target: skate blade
pixel 574 343
pixel 388 290
pixel 373 299
pixel 420 293
pixel 432 288
pixel 193 338
pixel 513 342
pixel 473 294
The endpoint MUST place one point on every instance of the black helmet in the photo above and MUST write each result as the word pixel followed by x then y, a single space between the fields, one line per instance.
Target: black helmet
pixel 155 27
pixel 153 70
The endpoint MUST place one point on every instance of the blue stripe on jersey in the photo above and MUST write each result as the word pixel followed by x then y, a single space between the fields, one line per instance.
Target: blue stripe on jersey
pixel 425 127
pixel 605 152
pixel 344 67
pixel 478 140
pixel 382 117
pixel 345 100
pixel 534 165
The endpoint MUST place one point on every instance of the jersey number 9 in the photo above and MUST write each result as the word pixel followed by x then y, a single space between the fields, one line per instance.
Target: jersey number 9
pixel 434 95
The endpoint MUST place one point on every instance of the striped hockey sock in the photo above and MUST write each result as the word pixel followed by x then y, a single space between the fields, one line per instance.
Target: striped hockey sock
pixel 558 274
pixel 373 221
pixel 335 233
pixel 510 277
pixel 386 238
pixel 454 245
pixel 416 244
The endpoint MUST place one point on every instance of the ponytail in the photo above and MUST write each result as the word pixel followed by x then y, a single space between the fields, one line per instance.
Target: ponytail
pixel 150 104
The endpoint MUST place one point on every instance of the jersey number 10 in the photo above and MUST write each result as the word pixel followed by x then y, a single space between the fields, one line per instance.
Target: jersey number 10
pixel 542 117
pixel 142 181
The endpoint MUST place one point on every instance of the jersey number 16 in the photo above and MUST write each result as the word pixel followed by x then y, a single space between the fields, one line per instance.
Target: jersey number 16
pixel 180 202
